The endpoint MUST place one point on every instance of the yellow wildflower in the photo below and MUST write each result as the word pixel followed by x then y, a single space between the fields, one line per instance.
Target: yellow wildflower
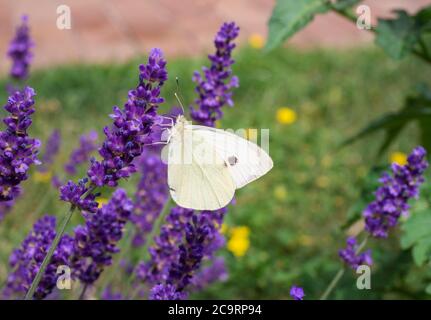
pixel 242 231
pixel 399 158
pixel 238 246
pixel 256 41
pixel 286 115
pixel 239 242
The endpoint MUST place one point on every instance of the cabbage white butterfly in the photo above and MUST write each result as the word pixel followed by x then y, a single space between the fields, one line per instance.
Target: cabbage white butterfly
pixel 206 165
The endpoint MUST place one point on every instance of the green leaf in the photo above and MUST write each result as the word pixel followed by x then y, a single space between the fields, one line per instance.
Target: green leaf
pixel 344 4
pixel 421 251
pixel 290 16
pixel 417 235
pixel 399 36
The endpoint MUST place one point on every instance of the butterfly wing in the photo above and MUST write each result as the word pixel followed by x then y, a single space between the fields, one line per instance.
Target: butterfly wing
pixel 198 177
pixel 246 161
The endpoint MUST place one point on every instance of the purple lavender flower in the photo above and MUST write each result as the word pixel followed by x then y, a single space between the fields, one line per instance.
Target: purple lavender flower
pixel 73 194
pixel 352 258
pixel 96 241
pixel 166 292
pixel 51 150
pixel 185 240
pixel 297 293
pixel 165 250
pixel 20 51
pixel 26 260
pixel 131 129
pixel 17 150
pixel 392 197
pixel 87 144
pixel 151 195
pixel 214 87
pixel 191 252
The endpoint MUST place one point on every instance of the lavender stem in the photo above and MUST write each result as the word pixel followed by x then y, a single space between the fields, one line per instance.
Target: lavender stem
pixel 36 280
pixel 340 273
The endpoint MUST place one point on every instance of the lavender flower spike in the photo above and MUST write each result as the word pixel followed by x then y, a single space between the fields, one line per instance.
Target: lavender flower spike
pixel 96 242
pixel 392 197
pixel 353 259
pixel 213 86
pixel 131 129
pixel 17 150
pixel 26 260
pixel 19 51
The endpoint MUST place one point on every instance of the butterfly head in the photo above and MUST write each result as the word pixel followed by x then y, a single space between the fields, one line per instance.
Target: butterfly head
pixel 180 123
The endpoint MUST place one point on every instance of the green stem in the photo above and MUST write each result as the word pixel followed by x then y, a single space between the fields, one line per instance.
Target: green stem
pixel 48 256
pixel 340 273
pixel 332 284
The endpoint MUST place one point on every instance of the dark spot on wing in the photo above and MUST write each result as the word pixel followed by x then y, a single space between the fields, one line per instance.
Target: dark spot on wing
pixel 232 160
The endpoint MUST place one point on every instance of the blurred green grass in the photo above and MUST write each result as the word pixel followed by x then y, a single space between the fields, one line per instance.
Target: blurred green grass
pixel 295 212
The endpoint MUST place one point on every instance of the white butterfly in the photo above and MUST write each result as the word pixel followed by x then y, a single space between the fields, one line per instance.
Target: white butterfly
pixel 206 165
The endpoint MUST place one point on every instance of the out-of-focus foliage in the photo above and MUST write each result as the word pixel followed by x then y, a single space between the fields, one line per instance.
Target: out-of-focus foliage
pixel 398 37
pixel 417 235
pixel 417 109
pixel 405 33
pixel 290 16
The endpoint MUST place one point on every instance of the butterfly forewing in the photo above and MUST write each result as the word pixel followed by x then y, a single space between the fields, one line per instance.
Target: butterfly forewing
pixel 198 177
pixel 246 161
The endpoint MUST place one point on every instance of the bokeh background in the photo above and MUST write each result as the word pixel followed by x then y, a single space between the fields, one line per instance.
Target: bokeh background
pixel 324 85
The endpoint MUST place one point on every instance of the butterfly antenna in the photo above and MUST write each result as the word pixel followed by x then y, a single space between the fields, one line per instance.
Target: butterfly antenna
pixel 177 95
